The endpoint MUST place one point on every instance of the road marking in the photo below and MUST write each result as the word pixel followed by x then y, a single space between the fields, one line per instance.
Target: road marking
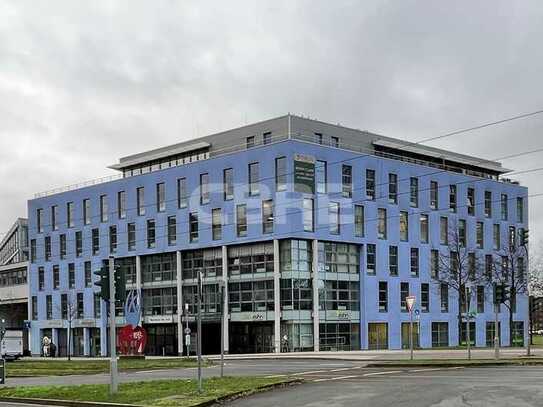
pixel 455 368
pixel 425 370
pixel 382 373
pixel 275 375
pixel 335 378
pixel 313 372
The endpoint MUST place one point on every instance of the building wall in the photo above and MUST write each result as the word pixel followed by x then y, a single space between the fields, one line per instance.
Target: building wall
pixel 288 223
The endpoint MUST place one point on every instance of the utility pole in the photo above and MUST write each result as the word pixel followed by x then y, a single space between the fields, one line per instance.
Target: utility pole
pixel 187 330
pixel 410 302
pixel 199 333
pixel 468 335
pixel 112 330
pixel 221 288
pixel 496 332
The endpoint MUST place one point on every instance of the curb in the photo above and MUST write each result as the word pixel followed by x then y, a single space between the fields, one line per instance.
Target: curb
pixel 207 403
pixel 447 364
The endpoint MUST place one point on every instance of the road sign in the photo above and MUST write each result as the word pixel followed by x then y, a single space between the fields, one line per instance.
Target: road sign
pixel 410 301
pixel 187 331
pixel 187 340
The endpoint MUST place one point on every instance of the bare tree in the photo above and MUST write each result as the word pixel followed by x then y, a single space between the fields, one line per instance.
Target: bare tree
pixel 68 312
pixel 509 271
pixel 459 268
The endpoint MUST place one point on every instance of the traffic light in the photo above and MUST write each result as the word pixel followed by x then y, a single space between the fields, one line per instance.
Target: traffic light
pixel 500 293
pixel 120 285
pixel 103 281
pixel 524 237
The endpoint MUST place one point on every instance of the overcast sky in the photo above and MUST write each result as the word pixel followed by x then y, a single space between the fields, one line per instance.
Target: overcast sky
pixel 84 83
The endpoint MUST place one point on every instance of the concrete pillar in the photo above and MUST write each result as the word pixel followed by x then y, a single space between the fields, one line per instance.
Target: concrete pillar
pixel 316 316
pixel 276 296
pixel 86 342
pixel 180 304
pixel 226 309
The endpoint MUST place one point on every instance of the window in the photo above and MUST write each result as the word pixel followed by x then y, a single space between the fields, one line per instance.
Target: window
pixel 140 198
pixel 280 174
pixel 228 183
pixel 370 184
pixel 371 258
pixel 333 217
pixel 33 250
pixel 489 266
pixel 39 220
pixel 250 142
pixel 504 209
pixel 488 204
pixel 393 260
pixel 383 296
pixel 131 232
pixel 520 209
pixel 78 243
pixel 424 228
pixel 64 306
pixel 113 239
pixel 160 197
pixel 193 226
pixel 308 215
pixel 71 275
pixel 34 308
pixel 151 234
pixel 334 141
pixel 382 223
pixel 462 232
pixel 404 226
pixel 251 296
pixel 444 297
pixel 47 248
pixel 216 224
pixel 393 188
pixel 496 236
pixel 267 137
pixel 254 179
pixel 471 201
pixel 172 230
pixel 440 334
pixel 480 235
pixel 80 306
pixel 321 176
pixel 512 237
pixel 103 208
pixel 56 277
pixel 414 262
pixel 434 263
pixel 480 299
pixel 41 278
pixel 88 274
pixel 318 138
pixel 425 297
pixel 204 189
pixel 49 307
pixel 255 259
pixel 54 217
pixel 443 230
pixel 267 216
pixel 182 195
pixel 414 192
pixel 70 214
pixel 95 241
pixel 490 333
pixel 452 198
pixel 472 266
pixel 241 220
pixel 358 220
pixel 404 293
pixel 86 212
pixel 338 257
pixel 434 195
pixel 62 244
pixel 339 295
pixel 296 294
pixel 347 181
pixel 121 204
pixel 97 302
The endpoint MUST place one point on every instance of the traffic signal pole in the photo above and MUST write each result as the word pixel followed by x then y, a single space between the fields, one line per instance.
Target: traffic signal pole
pixel 114 379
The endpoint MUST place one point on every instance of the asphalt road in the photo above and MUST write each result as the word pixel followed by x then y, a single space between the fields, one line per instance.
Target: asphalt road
pixel 430 387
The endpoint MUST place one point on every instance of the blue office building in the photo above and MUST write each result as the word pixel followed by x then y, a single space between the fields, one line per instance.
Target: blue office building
pixel 315 232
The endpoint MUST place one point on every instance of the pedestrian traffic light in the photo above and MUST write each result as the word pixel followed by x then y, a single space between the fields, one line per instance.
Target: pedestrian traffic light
pixel 524 237
pixel 103 281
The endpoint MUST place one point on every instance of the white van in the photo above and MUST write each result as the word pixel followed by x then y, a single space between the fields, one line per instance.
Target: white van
pixel 12 345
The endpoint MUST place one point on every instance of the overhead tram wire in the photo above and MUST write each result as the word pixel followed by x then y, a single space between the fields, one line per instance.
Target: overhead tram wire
pixel 402 143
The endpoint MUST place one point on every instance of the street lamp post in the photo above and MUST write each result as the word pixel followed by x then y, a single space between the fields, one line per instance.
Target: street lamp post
pixel 410 302
pixel 199 333
pixel 468 335
pixel 221 290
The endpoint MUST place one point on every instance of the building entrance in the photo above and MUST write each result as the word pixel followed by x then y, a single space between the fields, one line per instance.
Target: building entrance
pixel 251 337
pixel 161 340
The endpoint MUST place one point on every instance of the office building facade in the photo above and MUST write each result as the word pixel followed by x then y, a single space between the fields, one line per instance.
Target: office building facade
pixel 315 232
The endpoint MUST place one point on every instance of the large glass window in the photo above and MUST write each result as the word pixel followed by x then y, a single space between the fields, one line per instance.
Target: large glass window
pixel 414 262
pixel 250 259
pixel 267 216
pixel 358 220
pixel 254 179
pixel 39 220
pixel 207 261
pixel 339 336
pixel 182 193
pixel 47 243
pixel 320 176
pixel 393 188
pixel 41 278
pixel 121 204
pixel 425 297
pixel 104 210
pixel 424 228
pixel 140 197
pixel 127 266
pixel 211 298
pixel 308 214
pixel 452 198
pixel 78 243
pixel 520 209
pixel 383 296
pixel 488 204
pixel 71 275
pixel 393 260
pixel 440 334
pixel 471 201
pixel 95 241
pixel 444 297
pixel 113 239
pixel 503 206
pixel 86 212
pixel 339 258
pixel 131 231
pixel 151 233
pixel 443 230
pixel 241 220
pixel 404 293
pixel 381 223
pixel 160 197
pixel 377 335
pixel 216 224
pixel 172 230
pixel 414 192
pixel 160 301
pixel 333 218
pixel 228 184
pixel 434 263
pixel 193 226
pixel 434 195
pixel 251 296
pixel 347 181
pixel 204 188
pixel 54 217
pixel 340 295
pixel 370 184
pixel 480 235
pixel 56 277
pixel 404 226
pixel 70 214
pixel 159 267
pixel 371 258
pixel 296 294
